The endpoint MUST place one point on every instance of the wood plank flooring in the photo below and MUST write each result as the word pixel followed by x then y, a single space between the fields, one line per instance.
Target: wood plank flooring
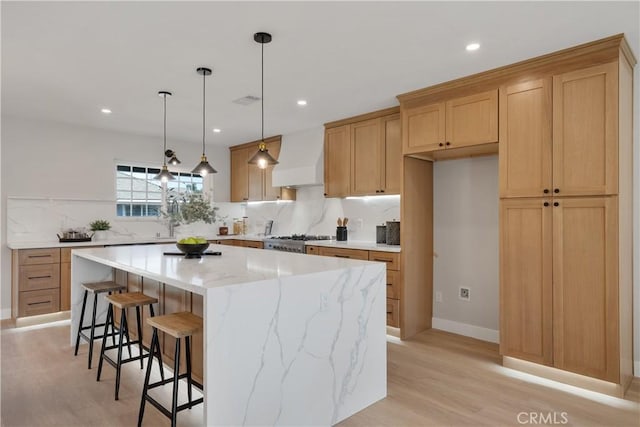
pixel 437 379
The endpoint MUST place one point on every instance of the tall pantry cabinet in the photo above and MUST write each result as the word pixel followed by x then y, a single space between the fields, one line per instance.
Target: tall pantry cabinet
pixel 565 221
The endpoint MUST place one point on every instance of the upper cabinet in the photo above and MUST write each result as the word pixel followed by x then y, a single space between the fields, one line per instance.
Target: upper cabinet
pixel 455 123
pixel 250 183
pixel 363 155
pixel 564 147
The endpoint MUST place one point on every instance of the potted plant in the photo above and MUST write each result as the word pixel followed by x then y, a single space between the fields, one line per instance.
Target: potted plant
pixel 189 209
pixel 100 228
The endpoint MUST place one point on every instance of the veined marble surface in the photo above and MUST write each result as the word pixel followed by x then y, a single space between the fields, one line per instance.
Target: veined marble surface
pixel 289 339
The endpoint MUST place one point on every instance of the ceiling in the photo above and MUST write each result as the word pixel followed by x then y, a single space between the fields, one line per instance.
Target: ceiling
pixel 64 61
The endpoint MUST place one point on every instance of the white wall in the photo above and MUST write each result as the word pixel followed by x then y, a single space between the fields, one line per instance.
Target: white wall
pixel 465 228
pixel 75 165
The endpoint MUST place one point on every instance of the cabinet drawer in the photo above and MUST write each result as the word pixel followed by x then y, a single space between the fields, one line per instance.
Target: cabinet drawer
pixel 39 256
pixel 393 284
pixel 312 250
pixel 45 276
pixel 39 302
pixel 345 253
pixel 391 258
pixel 393 312
pixel 252 244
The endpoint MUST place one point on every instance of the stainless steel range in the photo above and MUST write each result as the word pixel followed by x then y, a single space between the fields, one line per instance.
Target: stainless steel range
pixel 294 243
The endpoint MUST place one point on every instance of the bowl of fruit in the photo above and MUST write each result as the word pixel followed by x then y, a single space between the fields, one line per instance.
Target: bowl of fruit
pixel 192 247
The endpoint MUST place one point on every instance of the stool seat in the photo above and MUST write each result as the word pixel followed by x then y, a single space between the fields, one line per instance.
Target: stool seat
pixel 100 287
pixel 131 299
pixel 178 325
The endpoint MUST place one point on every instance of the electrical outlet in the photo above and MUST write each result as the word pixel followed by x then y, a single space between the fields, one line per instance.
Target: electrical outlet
pixel 464 293
pixel 438 296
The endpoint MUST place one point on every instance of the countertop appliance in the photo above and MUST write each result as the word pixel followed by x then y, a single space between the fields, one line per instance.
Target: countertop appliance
pixel 294 243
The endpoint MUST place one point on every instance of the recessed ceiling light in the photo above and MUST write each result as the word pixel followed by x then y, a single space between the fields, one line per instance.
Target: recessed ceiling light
pixel 105 111
pixel 216 130
pixel 302 102
pixel 473 46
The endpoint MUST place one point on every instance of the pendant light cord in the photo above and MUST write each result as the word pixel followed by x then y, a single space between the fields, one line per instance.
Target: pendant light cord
pixel 262 90
pixel 164 157
pixel 204 76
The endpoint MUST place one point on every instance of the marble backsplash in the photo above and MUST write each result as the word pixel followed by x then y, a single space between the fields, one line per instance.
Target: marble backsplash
pixel 39 219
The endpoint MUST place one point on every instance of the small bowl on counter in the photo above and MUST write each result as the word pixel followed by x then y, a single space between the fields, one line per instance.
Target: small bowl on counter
pixel 192 250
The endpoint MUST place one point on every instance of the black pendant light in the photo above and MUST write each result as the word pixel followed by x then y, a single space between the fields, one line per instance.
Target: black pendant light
pixel 172 156
pixel 262 158
pixel 203 168
pixel 164 174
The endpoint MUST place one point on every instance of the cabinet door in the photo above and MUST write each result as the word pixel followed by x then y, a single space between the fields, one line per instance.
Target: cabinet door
pixel 585 292
pixel 337 161
pixel 526 280
pixel 239 175
pixel 392 156
pixel 525 139
pixel 424 128
pixel 65 286
pixel 472 120
pixel 271 192
pixel 585 126
pixel 366 157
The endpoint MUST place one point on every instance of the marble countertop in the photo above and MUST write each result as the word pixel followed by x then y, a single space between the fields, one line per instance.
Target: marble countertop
pixel 120 241
pixel 236 265
pixel 355 244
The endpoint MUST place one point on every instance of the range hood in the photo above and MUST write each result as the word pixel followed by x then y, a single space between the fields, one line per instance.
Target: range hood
pixel 301 160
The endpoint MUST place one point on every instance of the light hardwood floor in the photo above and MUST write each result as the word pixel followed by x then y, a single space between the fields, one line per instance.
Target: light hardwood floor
pixel 436 379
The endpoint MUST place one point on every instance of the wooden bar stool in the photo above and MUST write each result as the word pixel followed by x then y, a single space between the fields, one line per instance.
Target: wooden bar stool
pixel 178 325
pixel 123 302
pixel 96 288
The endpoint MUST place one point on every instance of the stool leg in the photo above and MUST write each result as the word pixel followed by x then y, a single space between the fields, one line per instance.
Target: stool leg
pixel 188 354
pixel 147 377
pixel 159 353
pixel 176 374
pixel 126 333
pixel 104 339
pixel 113 333
pixel 84 304
pixel 139 334
pixel 123 323
pixel 93 327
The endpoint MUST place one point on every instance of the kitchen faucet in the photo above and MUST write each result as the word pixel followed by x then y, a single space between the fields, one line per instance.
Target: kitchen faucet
pixel 172 227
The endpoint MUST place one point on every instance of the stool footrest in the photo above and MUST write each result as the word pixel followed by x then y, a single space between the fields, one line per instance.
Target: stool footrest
pixel 170 380
pixel 165 411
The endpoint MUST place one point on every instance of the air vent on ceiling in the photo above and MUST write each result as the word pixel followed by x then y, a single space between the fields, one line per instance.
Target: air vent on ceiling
pixel 247 100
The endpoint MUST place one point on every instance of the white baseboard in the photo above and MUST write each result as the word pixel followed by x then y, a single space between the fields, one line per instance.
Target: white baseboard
pixel 5 313
pixel 465 329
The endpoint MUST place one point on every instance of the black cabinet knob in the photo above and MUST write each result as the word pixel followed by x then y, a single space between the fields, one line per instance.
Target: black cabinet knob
pixel 546 203
pixel 545 191
pixel 441 144
pixel 448 143
pixel 325 194
pixel 556 204
pixel 382 191
pixel 556 190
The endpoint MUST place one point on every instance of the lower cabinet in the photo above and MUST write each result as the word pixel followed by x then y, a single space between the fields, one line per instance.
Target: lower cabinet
pixel 393 273
pixel 35 281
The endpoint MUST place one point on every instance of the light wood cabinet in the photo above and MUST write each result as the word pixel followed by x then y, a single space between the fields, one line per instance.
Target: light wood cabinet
pixel 525 139
pixel 35 281
pixel 455 123
pixel 337 161
pixel 344 253
pixel 583 157
pixel 249 182
pixel 585 131
pixel 585 291
pixel 526 293
pixel 363 156
pixel 312 250
pixel 253 244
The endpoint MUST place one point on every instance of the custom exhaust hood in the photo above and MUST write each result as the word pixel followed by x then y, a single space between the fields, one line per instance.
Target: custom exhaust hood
pixel 301 159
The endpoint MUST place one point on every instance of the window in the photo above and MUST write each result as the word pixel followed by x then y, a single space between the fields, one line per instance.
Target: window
pixel 139 195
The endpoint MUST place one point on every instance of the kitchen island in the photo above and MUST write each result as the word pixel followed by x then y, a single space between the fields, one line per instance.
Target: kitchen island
pixel 288 338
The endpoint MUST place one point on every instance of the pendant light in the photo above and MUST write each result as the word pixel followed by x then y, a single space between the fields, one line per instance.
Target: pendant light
pixel 203 168
pixel 262 158
pixel 172 156
pixel 164 174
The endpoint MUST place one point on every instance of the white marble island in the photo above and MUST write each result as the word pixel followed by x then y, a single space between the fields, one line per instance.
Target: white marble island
pixel 289 339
